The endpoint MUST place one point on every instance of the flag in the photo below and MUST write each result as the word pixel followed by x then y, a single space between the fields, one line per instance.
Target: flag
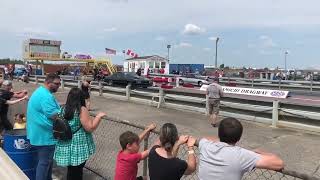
pixel 111 51
pixel 131 53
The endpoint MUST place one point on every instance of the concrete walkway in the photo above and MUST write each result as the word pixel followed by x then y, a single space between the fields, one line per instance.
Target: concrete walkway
pixel 300 150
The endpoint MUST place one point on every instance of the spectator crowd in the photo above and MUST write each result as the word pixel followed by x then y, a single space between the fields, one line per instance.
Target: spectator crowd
pixel 220 158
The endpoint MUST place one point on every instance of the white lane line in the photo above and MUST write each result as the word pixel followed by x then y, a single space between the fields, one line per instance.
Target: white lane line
pixel 316 100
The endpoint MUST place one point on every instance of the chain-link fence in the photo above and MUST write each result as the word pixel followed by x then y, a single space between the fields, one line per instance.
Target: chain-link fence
pixel 107 147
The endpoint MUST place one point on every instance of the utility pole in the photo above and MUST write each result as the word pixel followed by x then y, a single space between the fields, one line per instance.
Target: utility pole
pixel 168 46
pixel 216 59
pixel 285 60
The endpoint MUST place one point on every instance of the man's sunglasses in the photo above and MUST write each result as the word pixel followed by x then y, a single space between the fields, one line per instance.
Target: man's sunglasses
pixel 58 84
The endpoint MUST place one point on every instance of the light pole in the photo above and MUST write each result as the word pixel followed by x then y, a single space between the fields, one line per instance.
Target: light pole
pixel 168 46
pixel 216 59
pixel 285 60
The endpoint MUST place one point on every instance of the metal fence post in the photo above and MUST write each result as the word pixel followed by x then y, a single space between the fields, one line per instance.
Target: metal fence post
pixel 37 80
pixel 128 90
pixel 161 97
pixel 177 82
pixel 252 82
pixel 79 84
pixel 62 84
pixel 275 113
pixel 207 105
pixel 311 84
pixel 100 89
pixel 145 161
pixel 279 83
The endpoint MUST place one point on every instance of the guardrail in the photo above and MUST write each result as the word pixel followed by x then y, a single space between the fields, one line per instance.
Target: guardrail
pixel 310 86
pixel 279 84
pixel 275 113
pixel 107 146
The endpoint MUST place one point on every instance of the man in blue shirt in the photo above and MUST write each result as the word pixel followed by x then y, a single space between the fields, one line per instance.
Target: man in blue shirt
pixel 42 110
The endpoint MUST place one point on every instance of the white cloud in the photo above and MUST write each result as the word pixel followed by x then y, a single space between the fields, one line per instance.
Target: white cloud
pixel 34 32
pixel 160 38
pixel 212 38
pixel 267 42
pixel 191 29
pixel 112 29
pixel 288 14
pixel 264 44
pixel 264 37
pixel 207 49
pixel 251 45
pixel 236 52
pixel 183 45
pixel 265 52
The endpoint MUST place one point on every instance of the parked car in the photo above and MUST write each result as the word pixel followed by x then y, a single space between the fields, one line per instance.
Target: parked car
pixel 126 78
pixel 193 79
pixel 82 56
pixel 20 71
pixel 66 55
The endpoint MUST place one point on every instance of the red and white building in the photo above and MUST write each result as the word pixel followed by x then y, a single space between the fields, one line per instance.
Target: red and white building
pixel 154 63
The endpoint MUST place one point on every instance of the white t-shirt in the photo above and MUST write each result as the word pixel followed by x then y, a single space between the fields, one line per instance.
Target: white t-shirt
pixel 221 161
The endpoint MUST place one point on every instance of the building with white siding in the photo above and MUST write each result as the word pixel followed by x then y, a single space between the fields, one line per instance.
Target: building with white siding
pixel 154 63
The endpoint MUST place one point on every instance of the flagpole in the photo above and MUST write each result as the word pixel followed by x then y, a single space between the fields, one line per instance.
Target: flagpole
pixel 124 54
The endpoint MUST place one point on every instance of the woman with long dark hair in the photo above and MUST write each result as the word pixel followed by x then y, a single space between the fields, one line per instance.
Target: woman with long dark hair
pixel 75 152
pixel 163 163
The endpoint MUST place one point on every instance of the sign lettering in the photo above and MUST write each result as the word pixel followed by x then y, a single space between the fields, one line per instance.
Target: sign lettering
pixel 252 92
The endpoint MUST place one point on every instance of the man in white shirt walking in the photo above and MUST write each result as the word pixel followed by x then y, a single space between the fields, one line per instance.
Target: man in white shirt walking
pixel 214 93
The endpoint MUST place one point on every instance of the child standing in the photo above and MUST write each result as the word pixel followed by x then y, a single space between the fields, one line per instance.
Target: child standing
pixel 129 157
pixel 20 121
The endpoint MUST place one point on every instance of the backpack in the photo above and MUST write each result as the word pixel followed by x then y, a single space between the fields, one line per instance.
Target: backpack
pixel 61 129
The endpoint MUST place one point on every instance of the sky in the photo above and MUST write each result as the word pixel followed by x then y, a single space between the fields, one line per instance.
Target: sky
pixel 252 33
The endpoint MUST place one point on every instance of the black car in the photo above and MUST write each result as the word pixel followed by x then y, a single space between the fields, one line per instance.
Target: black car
pixel 126 78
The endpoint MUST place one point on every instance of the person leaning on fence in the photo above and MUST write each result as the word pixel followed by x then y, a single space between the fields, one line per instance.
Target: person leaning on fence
pixel 129 157
pixel 75 152
pixel 163 163
pixel 42 110
pixel 6 94
pixel 223 160
pixel 214 93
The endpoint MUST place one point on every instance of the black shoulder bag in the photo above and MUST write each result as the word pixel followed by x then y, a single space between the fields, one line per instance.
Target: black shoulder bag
pixel 61 129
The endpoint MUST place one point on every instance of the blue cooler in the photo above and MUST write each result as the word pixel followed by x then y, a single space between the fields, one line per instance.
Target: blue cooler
pixel 18 148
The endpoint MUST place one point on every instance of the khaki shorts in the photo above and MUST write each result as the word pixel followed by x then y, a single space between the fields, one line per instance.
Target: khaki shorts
pixel 214 106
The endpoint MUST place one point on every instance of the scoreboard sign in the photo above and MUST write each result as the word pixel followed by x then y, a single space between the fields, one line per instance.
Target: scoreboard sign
pixel 45 42
pixel 44 55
